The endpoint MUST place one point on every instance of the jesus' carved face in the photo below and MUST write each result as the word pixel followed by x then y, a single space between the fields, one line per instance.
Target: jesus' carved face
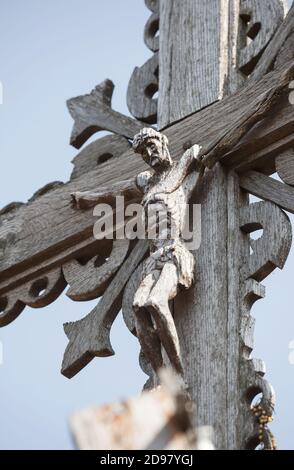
pixel 152 152
pixel 155 154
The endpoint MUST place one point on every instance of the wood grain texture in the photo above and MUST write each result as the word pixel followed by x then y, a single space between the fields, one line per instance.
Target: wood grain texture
pixel 87 281
pixel 130 321
pixel 26 235
pixel 129 294
pixel 269 251
pixel 142 86
pixel 285 166
pixel 236 40
pixel 192 56
pixel 85 248
pixel 97 153
pixel 151 37
pixel 262 20
pixel 90 336
pixel 213 319
pixel 269 189
pixel 169 264
pixel 92 113
pixel 37 293
pixel 272 249
pixel 201 313
pixel 256 113
pixel 207 49
pixel 46 189
pixel 275 46
pixel 286 52
pixel 44 224
pixel 267 139
pixel 143 83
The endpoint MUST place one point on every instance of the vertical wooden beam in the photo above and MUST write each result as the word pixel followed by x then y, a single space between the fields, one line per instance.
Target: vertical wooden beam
pixel 201 314
pixel 209 317
pixel 193 57
pixel 201 47
pixel 207 50
pixel 237 249
pixel 197 66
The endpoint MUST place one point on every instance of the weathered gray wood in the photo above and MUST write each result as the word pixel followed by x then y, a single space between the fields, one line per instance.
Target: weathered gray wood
pixel 267 139
pixel 46 189
pixel 38 292
pixel 277 237
pixel 26 234
pixel 143 83
pixel 89 281
pixel 9 208
pixel 236 39
pixel 142 86
pixel 203 47
pixel 216 310
pixel 129 295
pixel 97 153
pixel 269 251
pixel 256 112
pixel 203 311
pixel 286 52
pixel 37 224
pixel 129 319
pixel 270 54
pixel 167 192
pixel 285 166
pixel 92 113
pixel 262 19
pixel 86 247
pixel 90 336
pixel 213 125
pixel 269 189
pixel 89 199
pixel 215 329
pixel 150 32
pixel 192 65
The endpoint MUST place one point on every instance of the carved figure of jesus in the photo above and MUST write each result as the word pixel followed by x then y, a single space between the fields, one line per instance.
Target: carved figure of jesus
pixel 170 265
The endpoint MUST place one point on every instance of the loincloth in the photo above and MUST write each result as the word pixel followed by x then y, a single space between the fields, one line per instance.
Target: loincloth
pixel 176 254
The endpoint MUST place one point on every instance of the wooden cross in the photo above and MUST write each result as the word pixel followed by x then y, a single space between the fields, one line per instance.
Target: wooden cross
pixel 222 69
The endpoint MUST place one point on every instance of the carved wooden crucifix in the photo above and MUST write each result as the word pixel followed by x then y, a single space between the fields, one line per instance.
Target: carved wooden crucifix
pixel 222 70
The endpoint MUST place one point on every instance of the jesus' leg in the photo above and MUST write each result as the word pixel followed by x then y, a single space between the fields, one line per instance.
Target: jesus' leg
pixel 164 290
pixel 145 330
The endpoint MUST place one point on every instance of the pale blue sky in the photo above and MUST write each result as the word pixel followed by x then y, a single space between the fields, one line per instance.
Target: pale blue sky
pixel 51 51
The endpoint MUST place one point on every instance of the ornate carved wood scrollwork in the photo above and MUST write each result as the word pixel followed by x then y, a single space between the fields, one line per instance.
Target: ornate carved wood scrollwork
pixel 92 113
pixel 89 281
pixel 268 252
pixel 36 293
pixel 143 83
pixel 260 22
pixel 90 336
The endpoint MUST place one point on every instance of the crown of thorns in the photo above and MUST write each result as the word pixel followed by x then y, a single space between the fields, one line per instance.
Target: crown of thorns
pixel 146 134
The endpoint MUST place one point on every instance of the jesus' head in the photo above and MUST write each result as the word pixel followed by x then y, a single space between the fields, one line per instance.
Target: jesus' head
pixel 153 147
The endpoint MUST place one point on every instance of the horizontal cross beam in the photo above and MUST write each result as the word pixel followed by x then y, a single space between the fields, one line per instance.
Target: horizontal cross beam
pixel 269 189
pixel 48 225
